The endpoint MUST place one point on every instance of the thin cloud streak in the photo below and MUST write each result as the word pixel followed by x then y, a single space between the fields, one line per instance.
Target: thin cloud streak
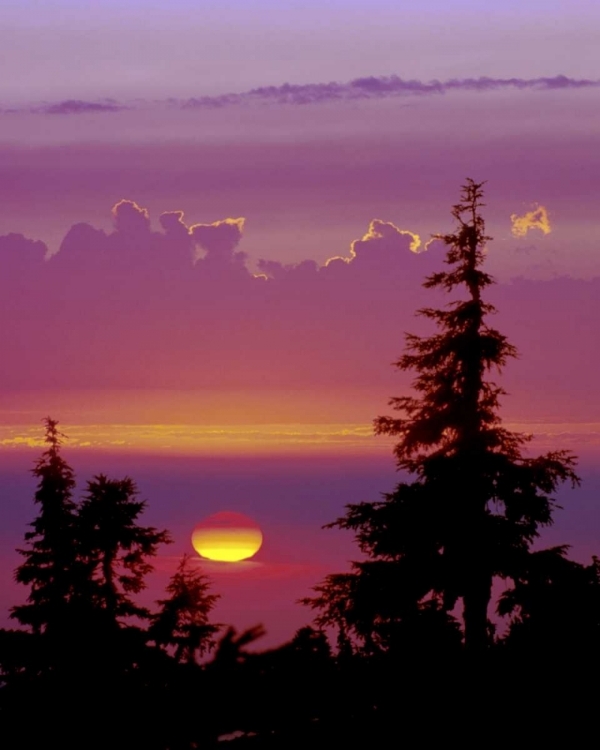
pixel 380 87
pixel 358 89
pixel 77 107
pixel 204 439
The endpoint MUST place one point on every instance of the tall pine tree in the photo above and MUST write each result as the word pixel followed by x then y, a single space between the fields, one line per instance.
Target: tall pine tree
pixel 475 502
pixel 51 566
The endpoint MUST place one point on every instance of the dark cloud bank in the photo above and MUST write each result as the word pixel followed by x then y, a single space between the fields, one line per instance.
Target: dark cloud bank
pixel 179 309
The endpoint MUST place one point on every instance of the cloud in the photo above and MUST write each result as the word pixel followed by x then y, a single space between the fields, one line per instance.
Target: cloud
pixel 197 439
pixel 272 269
pixel 129 309
pixel 364 88
pixel 130 218
pixel 173 224
pixel 381 237
pixel 379 87
pixel 22 442
pixel 537 218
pixel 219 240
pixel 79 107
pixel 540 84
pixel 82 243
pixel 18 250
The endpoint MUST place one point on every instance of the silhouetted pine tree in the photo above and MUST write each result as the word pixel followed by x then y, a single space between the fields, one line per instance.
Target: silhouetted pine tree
pixel 115 548
pixel 120 671
pixel 475 503
pixel 51 564
pixel 183 619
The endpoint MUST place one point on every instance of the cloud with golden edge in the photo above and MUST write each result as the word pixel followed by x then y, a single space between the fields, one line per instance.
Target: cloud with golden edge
pixel 234 227
pixel 128 216
pixel 380 230
pixel 219 239
pixel 537 218
pixel 431 242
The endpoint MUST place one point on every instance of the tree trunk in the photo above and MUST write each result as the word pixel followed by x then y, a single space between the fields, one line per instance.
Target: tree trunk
pixel 109 584
pixel 475 613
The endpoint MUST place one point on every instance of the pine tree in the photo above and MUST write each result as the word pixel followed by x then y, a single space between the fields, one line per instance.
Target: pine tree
pixel 183 619
pixel 116 550
pixel 476 501
pixel 51 565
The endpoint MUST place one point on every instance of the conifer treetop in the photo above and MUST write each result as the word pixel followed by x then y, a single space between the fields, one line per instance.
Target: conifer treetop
pixel 455 407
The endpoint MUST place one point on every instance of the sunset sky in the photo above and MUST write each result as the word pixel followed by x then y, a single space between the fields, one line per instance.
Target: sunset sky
pixel 214 225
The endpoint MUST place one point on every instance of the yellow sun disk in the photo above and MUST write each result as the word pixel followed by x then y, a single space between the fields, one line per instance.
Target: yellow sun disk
pixel 227 544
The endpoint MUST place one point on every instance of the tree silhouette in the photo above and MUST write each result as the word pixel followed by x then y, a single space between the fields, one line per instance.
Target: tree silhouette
pixel 116 549
pixel 381 604
pixel 476 502
pixel 183 619
pixel 554 606
pixel 51 564
pixel 230 647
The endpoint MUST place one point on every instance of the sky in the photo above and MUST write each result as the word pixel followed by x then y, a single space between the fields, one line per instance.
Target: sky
pixel 214 227
pixel 74 48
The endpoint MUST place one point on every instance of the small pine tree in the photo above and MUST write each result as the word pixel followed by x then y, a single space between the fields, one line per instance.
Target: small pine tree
pixel 183 619
pixel 51 563
pixel 476 502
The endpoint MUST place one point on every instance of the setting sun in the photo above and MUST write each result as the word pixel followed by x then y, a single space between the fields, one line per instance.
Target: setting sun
pixel 227 537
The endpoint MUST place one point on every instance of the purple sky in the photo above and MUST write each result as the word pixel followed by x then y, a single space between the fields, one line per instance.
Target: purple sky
pixel 73 49
pixel 310 178
pixel 288 133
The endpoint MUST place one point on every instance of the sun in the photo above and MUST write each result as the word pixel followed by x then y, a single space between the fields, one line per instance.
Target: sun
pixel 227 537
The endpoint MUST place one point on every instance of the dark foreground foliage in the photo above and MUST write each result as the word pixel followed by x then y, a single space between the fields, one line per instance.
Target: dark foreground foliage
pixel 301 694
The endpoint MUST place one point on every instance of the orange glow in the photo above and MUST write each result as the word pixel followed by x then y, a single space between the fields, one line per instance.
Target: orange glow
pixel 227 537
pixel 535 219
